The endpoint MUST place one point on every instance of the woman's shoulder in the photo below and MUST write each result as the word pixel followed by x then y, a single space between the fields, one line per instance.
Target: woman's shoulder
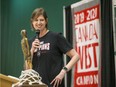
pixel 55 33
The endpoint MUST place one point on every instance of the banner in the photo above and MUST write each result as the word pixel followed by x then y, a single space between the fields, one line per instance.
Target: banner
pixel 87 36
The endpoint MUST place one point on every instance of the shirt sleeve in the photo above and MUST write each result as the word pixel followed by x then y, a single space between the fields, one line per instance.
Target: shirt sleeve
pixel 63 44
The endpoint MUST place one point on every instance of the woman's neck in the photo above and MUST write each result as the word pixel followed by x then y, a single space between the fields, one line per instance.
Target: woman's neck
pixel 43 32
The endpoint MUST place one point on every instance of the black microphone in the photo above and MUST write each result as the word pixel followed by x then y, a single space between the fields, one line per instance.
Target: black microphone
pixel 37 37
pixel 37 34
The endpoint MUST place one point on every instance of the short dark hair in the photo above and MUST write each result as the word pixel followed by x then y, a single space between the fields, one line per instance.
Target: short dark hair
pixel 37 12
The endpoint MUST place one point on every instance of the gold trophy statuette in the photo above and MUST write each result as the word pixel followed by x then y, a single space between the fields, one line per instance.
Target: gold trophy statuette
pixel 26 50
pixel 28 77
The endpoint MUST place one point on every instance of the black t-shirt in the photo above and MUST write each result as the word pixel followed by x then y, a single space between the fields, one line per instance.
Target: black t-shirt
pixel 49 62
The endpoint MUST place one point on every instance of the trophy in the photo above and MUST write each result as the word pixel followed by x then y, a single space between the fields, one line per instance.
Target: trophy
pixel 26 50
pixel 28 77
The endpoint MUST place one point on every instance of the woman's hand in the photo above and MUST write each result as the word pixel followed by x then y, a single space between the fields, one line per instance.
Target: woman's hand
pixel 35 45
pixel 58 79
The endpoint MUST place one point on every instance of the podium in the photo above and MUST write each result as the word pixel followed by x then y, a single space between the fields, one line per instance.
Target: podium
pixel 6 81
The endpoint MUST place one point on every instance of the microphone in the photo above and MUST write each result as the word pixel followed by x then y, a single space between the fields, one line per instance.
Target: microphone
pixel 38 50
pixel 37 34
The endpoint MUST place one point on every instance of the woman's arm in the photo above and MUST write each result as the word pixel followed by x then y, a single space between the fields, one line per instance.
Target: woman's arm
pixel 74 58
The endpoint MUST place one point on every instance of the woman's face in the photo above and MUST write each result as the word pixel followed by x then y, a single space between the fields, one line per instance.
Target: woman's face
pixel 39 23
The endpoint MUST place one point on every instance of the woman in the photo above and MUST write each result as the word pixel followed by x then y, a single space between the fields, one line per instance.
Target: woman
pixel 47 49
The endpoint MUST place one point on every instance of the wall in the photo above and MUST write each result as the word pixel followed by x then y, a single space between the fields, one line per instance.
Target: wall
pixel 114 32
pixel 15 16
